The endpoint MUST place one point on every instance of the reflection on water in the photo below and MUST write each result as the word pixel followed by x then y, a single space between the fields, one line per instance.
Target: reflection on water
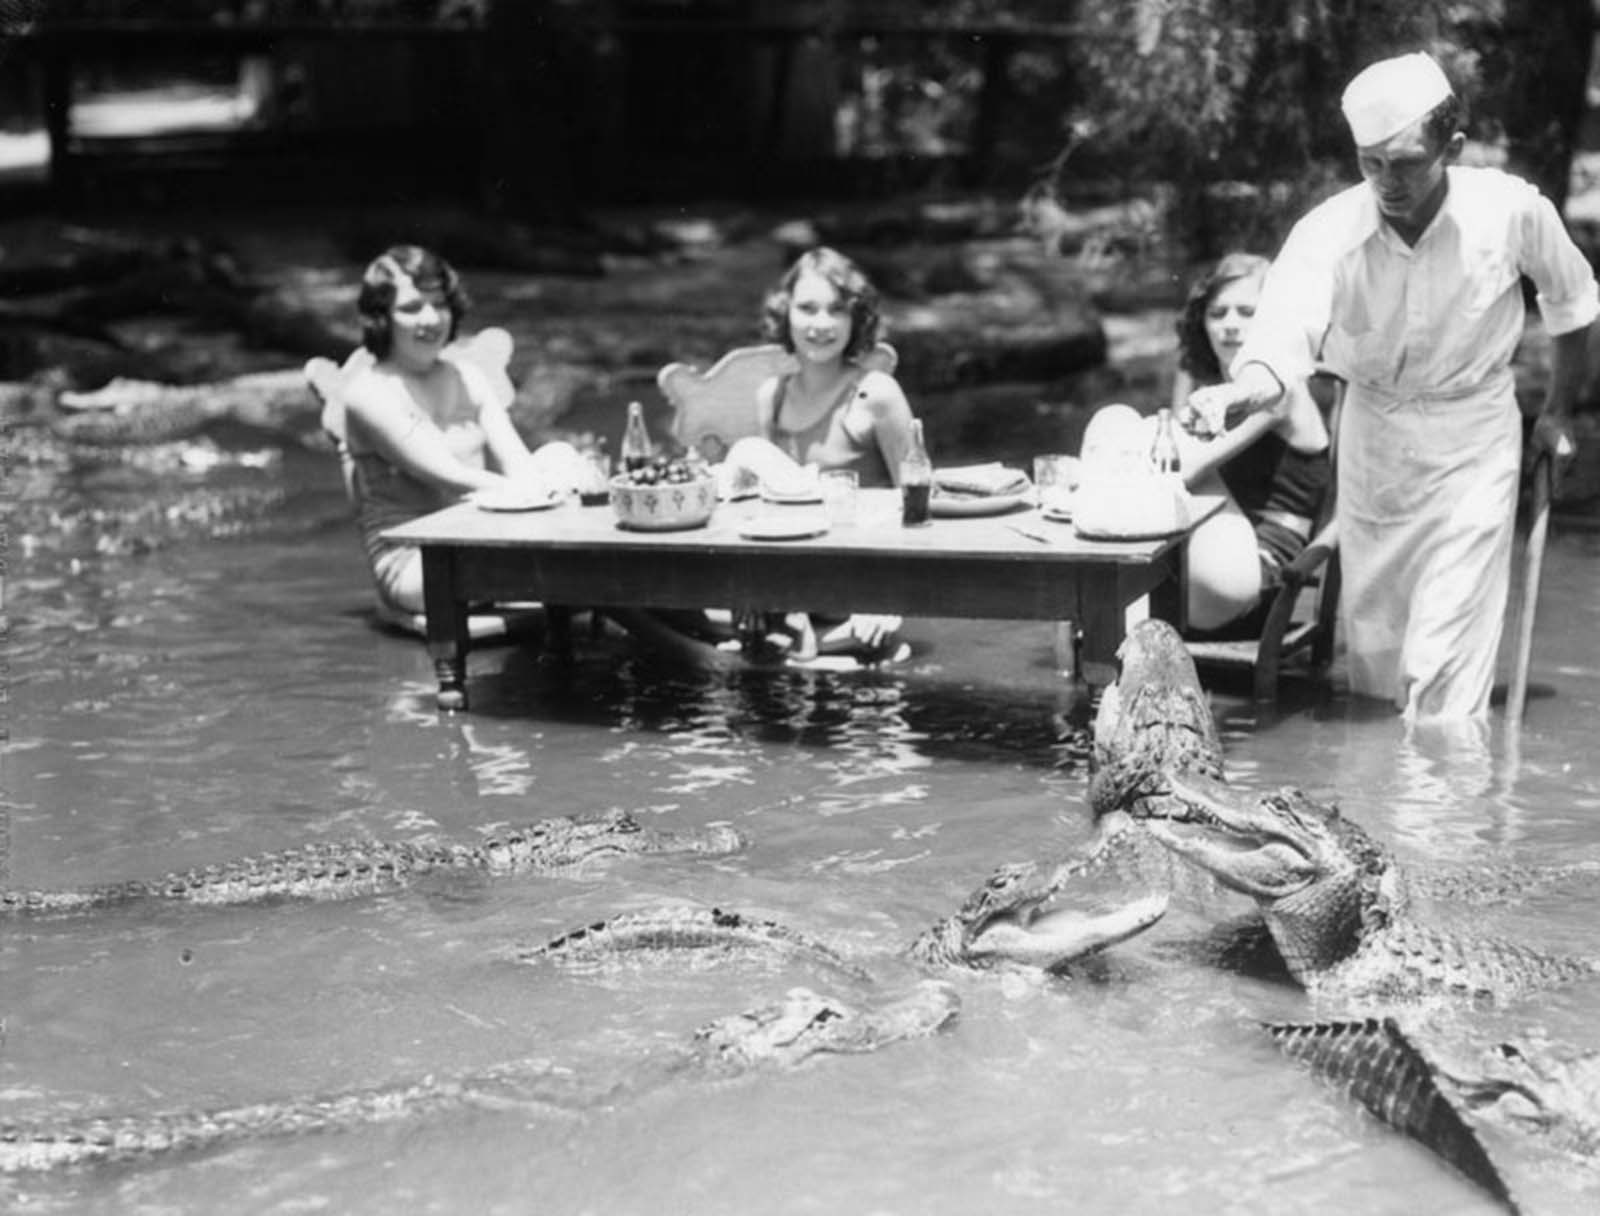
pixel 214 701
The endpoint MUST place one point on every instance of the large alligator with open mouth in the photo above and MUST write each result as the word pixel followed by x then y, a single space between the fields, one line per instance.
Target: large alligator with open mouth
pixel 782 1034
pixel 1155 717
pixel 1337 905
pixel 1002 923
pixel 351 869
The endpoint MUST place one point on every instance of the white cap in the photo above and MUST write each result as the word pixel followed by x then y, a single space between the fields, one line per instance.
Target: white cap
pixel 1389 96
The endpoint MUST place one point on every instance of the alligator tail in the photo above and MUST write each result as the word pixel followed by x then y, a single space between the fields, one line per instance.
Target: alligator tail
pixel 318 872
pixel 1378 1065
pixel 32 1148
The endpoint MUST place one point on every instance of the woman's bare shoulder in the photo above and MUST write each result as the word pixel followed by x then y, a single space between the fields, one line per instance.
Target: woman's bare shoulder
pixel 372 388
pixel 879 390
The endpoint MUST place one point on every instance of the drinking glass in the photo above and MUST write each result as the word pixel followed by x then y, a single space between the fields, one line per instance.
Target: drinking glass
pixel 839 494
pixel 1055 475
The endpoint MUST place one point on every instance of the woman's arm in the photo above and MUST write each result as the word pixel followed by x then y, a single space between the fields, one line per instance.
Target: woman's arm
pixel 884 403
pixel 1182 386
pixel 408 438
pixel 511 455
pixel 1203 457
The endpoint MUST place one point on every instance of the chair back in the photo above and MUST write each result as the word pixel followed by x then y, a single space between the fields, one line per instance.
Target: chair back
pixel 716 407
pixel 487 353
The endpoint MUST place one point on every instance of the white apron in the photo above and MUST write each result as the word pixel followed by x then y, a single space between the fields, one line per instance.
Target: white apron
pixel 1427 503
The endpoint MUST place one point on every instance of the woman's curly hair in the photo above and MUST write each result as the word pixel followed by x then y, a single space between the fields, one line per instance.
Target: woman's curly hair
pixel 1195 355
pixel 375 301
pixel 853 286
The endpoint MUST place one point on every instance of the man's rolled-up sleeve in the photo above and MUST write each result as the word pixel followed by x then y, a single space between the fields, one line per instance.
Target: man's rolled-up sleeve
pixel 1293 310
pixel 1567 293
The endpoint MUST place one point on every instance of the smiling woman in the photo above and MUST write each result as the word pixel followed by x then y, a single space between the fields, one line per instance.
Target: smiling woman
pixel 424 427
pixel 829 413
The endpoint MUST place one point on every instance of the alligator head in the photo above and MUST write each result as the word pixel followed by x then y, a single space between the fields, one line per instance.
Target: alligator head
pixel 1155 718
pixel 562 841
pixel 1013 917
pixel 1534 1087
pixel 1323 884
pixel 804 1024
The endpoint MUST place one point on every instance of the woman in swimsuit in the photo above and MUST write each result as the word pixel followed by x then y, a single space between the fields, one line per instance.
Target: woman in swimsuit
pixel 828 412
pixel 423 427
pixel 1274 465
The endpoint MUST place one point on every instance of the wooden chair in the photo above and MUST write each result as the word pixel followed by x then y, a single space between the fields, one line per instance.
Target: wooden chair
pixel 489 352
pixel 1300 623
pixel 716 407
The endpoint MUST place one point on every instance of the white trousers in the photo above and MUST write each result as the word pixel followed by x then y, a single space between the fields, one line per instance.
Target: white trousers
pixel 1427 506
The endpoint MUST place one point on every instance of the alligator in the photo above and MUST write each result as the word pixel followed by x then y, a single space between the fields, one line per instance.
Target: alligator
pixel 783 1034
pixel 1335 902
pixel 1154 716
pixel 1154 719
pixel 684 928
pixel 1529 1087
pixel 1012 918
pixel 1007 920
pixel 1379 1065
pixel 347 870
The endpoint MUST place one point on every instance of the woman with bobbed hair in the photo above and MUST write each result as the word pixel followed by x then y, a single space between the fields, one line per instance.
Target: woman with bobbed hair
pixel 827 412
pixel 423 426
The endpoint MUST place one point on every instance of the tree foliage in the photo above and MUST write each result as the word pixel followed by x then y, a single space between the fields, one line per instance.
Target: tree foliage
pixel 1198 93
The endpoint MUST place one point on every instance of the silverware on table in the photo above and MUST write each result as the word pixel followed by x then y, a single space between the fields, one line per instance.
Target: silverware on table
pixel 1043 538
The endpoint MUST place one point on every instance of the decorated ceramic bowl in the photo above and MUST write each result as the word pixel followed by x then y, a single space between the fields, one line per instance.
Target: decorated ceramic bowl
pixel 665 506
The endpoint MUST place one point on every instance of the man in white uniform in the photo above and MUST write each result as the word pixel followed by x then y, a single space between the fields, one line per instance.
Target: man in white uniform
pixel 1408 286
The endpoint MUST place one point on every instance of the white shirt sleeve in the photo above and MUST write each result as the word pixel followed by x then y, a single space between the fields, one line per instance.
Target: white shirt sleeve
pixel 1568 297
pixel 1293 310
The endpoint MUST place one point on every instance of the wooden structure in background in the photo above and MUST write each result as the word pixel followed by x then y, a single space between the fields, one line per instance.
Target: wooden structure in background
pixel 540 106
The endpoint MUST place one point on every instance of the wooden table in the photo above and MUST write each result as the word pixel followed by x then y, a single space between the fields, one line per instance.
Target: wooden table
pixel 979 568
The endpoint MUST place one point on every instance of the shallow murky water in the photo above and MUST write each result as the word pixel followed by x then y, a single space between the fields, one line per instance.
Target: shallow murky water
pixel 213 701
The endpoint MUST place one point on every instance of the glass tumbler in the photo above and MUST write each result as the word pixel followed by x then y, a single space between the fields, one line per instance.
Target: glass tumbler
pixel 839 495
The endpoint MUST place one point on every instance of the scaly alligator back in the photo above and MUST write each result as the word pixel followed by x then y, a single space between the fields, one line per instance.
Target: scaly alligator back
pixel 1408 961
pixel 685 929
pixel 352 869
pixel 1155 717
pixel 1378 1065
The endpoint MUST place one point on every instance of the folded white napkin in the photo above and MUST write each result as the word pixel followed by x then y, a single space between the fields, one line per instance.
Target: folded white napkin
pixel 981 479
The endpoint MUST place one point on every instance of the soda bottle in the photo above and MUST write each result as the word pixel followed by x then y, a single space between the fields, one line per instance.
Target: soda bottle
pixel 1164 448
pixel 916 481
pixel 636 446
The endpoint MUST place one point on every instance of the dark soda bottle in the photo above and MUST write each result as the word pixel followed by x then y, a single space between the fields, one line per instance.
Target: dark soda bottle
pixel 916 481
pixel 637 449
pixel 1164 448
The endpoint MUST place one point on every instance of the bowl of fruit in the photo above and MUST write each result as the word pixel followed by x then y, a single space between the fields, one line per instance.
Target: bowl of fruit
pixel 665 495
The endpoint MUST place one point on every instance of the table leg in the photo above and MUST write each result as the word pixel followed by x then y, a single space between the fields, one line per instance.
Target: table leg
pixel 1102 619
pixel 557 636
pixel 1169 601
pixel 1066 650
pixel 448 635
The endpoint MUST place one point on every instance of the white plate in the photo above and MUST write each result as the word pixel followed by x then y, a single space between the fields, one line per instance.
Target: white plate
pixel 512 500
pixel 959 506
pixel 792 497
pixel 779 527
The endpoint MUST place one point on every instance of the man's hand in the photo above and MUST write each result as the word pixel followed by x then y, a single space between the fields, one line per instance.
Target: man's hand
pixel 1553 433
pixel 1206 412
